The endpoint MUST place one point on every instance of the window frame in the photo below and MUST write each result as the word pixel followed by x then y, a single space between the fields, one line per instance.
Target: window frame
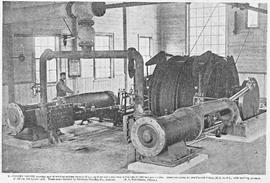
pixel 56 47
pixel 210 26
pixel 64 61
pixel 258 22
pixel 111 60
pixel 150 38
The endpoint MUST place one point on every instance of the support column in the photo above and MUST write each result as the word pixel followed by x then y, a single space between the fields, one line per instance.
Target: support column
pixel 125 44
pixel 10 64
pixel 74 48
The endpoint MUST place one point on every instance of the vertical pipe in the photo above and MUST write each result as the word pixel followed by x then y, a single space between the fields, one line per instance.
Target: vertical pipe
pixel 45 56
pixel 187 29
pixel 74 46
pixel 134 55
pixel 74 33
pixel 125 43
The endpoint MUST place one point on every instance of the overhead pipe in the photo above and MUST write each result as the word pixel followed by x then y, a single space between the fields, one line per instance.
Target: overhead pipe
pixel 132 54
pixel 132 4
pixel 64 10
pixel 53 11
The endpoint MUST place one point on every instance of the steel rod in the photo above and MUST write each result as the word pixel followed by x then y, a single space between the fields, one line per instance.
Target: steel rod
pixel 239 94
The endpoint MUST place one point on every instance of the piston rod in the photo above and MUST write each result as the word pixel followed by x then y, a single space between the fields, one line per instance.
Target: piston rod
pixel 249 86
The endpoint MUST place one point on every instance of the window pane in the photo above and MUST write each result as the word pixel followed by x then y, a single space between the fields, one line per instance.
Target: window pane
pixel 119 66
pixel 193 31
pixel 192 40
pixel 64 65
pixel 207 40
pixel 144 49
pixel 41 44
pixel 102 43
pixel 253 16
pixel 213 36
pixel 87 68
pixel 102 66
pixel 207 30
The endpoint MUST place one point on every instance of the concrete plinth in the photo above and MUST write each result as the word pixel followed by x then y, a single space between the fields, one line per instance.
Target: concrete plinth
pixel 151 168
pixel 25 144
pixel 248 131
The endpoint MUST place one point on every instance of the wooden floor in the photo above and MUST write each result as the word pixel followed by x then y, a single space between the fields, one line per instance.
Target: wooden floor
pixel 98 148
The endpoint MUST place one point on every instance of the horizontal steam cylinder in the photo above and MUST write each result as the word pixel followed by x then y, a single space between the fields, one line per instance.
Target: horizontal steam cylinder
pixel 97 99
pixel 20 117
pixel 152 135
pixel 175 81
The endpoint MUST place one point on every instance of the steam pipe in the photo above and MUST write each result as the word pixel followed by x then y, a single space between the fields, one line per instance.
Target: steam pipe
pixel 131 54
pixel 134 55
pixel 52 11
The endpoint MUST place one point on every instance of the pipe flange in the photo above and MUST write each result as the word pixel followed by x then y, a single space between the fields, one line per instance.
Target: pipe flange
pixel 148 137
pixel 98 8
pixel 15 119
pixel 86 22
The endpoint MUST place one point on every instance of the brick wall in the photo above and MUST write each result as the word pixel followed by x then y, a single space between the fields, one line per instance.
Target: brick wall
pixel 252 60
pixel 172 28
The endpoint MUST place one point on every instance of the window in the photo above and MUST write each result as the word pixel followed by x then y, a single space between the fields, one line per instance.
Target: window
pixel 145 51
pixel 207 28
pixel 102 67
pixel 252 16
pixel 64 61
pixel 41 44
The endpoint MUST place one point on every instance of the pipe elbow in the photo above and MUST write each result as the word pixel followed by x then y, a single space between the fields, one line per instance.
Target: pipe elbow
pixel 48 54
pixel 134 55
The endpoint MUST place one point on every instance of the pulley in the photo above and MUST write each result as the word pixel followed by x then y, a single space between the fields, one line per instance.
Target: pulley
pixel 175 80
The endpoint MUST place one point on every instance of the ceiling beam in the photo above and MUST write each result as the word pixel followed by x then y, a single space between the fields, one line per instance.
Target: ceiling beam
pixel 243 6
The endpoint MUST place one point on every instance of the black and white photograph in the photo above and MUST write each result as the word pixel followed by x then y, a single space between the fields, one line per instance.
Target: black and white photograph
pixel 132 89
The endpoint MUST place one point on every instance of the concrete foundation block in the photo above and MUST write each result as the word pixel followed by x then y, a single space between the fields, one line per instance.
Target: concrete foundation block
pixel 248 131
pixel 25 144
pixel 151 168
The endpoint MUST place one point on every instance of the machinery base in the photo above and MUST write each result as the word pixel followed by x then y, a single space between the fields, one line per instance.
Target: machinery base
pixel 250 127
pixel 152 168
pixel 169 160
pixel 32 134
pixel 24 144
